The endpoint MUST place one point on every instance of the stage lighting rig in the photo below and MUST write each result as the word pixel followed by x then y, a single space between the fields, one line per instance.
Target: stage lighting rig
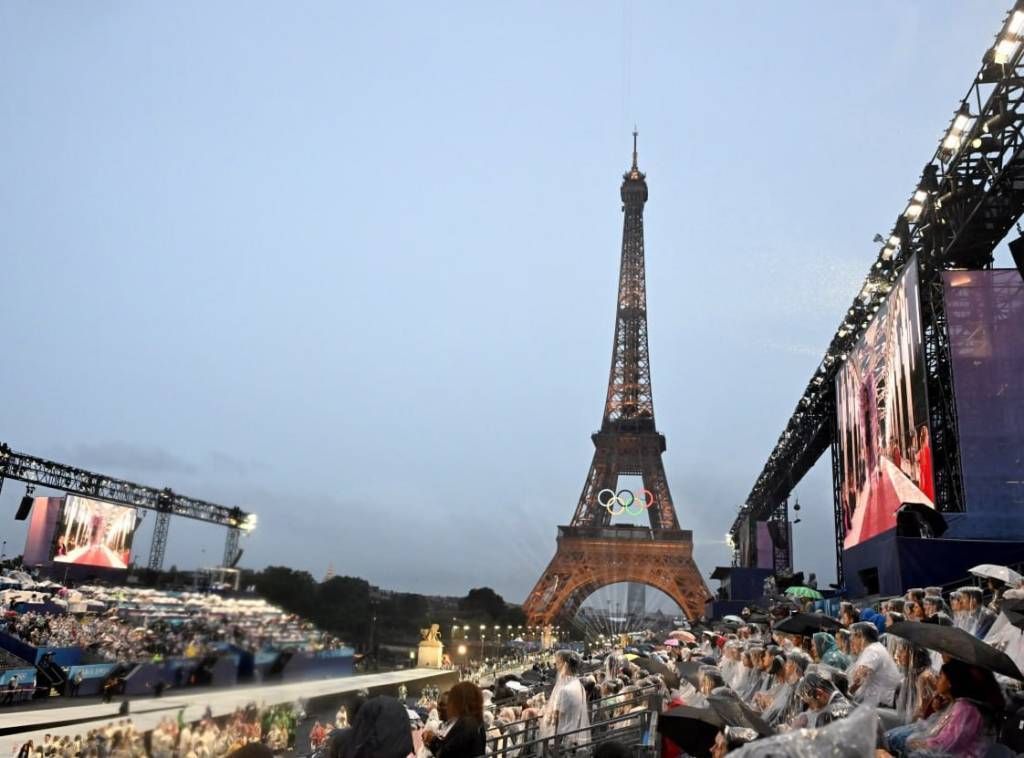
pixel 969 195
pixel 36 471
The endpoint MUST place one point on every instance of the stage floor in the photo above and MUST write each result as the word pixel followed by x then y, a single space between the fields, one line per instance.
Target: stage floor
pixel 33 722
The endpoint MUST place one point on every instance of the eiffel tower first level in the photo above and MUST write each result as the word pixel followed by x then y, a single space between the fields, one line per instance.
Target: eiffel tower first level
pixel 592 552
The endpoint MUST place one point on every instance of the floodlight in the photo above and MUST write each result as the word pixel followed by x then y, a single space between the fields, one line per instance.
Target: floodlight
pixel 963 118
pixel 951 143
pixel 1016 23
pixel 1004 50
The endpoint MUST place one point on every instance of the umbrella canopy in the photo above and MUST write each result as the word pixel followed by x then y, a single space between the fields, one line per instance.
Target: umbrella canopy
pixel 690 671
pixel 671 642
pixel 631 657
pixel 922 519
pixel 806 624
pixel 804 592
pixel 956 643
pixel 735 712
pixel 654 666
pixel 1004 574
pixel 731 619
pixel 682 635
pixel 1014 610
pixel 692 729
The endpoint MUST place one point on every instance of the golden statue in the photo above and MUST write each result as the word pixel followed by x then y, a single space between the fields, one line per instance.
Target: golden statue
pixel 433 634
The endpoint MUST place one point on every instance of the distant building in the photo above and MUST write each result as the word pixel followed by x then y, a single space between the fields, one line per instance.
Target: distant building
pixel 636 600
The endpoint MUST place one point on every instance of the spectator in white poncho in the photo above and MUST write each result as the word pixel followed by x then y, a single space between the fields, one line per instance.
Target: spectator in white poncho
pixel 565 712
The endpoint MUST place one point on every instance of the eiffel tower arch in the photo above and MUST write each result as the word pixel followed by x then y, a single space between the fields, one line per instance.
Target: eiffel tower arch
pixel 591 551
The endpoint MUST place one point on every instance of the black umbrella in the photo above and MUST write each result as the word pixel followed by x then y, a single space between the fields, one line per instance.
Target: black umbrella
pixel 690 671
pixel 806 624
pixel 920 520
pixel 735 712
pixel 956 643
pixel 1014 610
pixel 655 666
pixel 692 729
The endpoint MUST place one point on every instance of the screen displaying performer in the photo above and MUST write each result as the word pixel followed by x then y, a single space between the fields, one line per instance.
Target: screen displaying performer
pixel 885 456
pixel 91 533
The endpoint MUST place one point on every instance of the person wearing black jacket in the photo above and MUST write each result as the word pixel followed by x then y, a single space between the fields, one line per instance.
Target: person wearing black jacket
pixel 464 736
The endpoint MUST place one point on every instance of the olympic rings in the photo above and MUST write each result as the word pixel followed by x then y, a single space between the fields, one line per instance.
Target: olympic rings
pixel 625 501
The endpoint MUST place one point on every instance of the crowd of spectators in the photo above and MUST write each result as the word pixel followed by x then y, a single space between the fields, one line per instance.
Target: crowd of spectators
pixel 141 625
pixel 173 738
pixel 959 695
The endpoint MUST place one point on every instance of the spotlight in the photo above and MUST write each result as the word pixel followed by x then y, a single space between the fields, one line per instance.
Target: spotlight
pixel 999 121
pixel 991 72
pixel 986 144
pixel 26 504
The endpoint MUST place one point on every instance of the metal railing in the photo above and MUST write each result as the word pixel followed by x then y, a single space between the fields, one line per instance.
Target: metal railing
pixel 636 730
pixel 601 712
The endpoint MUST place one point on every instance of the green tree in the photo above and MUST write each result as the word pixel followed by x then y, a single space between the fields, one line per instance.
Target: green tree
pixel 295 591
pixel 483 601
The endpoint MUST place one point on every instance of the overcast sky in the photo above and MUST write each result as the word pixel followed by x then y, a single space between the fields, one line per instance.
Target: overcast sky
pixel 353 266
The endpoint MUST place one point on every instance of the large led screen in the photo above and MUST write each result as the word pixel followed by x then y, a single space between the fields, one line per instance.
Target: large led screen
pixel 985 313
pixel 41 527
pixel 91 533
pixel 885 454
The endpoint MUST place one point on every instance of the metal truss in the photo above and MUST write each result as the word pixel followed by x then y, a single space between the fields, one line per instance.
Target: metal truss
pixel 231 547
pixel 158 546
pixel 44 473
pixel 970 194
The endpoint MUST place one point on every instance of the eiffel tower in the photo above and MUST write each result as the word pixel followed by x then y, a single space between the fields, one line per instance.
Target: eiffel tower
pixel 593 553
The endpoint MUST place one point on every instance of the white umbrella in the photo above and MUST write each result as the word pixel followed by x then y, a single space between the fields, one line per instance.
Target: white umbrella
pixel 1002 573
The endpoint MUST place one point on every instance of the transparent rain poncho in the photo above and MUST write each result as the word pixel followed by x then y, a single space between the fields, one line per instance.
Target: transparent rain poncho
pixel 852 737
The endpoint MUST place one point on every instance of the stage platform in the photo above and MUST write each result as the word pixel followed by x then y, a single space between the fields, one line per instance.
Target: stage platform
pixel 33 722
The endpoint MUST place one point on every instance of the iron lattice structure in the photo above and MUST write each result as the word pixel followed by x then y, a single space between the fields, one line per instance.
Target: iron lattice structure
pixel 970 195
pixel 629 442
pixel 591 552
pixel 38 471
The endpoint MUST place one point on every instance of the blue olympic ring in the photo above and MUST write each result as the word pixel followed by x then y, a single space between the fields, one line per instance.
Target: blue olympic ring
pixel 625 501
